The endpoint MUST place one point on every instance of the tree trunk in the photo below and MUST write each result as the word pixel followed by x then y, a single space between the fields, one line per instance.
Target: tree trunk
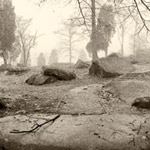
pixel 106 52
pixel 24 57
pixel 122 41
pixel 93 35
pixel 27 57
pixel 134 39
pixel 70 51
pixel 5 57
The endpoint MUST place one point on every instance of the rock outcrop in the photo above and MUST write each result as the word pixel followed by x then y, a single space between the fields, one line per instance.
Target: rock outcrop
pixel 40 79
pixel 58 73
pixel 50 75
pixel 110 67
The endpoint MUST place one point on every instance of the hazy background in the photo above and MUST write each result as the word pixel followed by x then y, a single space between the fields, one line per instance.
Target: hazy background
pixel 47 19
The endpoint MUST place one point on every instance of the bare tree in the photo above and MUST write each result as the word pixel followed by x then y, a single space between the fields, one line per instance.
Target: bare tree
pixel 136 10
pixel 139 42
pixel 15 52
pixel 122 27
pixel 70 36
pixel 27 40
pixel 86 18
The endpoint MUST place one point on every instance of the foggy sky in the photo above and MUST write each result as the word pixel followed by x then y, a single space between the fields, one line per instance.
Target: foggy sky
pixel 46 20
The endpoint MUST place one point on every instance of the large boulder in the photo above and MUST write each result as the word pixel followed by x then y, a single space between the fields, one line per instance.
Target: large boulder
pixel 40 79
pixel 58 73
pixel 81 64
pixel 110 67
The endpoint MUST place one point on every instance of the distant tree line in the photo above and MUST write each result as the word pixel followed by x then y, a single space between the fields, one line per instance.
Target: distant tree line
pixel 53 58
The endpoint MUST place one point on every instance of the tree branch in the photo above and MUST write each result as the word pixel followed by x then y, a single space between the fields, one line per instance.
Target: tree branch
pixel 82 14
pixel 36 127
pixel 143 20
pixel 145 5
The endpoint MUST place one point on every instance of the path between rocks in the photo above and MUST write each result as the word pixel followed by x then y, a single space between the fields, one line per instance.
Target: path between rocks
pixel 84 100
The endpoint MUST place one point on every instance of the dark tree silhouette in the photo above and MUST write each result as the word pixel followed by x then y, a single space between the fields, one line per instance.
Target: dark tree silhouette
pixel 41 60
pixel 7 28
pixel 53 57
pixel 104 30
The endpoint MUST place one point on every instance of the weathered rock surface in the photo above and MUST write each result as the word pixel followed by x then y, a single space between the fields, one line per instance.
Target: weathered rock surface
pixel 84 100
pixel 128 90
pixel 81 64
pixel 50 75
pixel 137 75
pixel 40 79
pixel 98 132
pixel 58 73
pixel 110 67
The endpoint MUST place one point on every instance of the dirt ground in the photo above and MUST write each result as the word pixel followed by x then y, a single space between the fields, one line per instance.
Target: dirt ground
pixel 24 99
pixel 84 98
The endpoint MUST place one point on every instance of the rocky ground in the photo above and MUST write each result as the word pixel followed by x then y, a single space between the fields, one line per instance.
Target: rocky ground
pixel 86 113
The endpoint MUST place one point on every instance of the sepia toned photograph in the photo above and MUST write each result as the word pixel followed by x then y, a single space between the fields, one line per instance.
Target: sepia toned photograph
pixel 74 75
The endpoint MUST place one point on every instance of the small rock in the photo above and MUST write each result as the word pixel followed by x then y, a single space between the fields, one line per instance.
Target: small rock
pixel 142 102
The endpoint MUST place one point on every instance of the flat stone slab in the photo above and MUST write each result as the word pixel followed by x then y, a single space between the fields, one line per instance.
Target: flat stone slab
pixel 137 75
pixel 91 132
pixel 128 90
pixel 84 100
